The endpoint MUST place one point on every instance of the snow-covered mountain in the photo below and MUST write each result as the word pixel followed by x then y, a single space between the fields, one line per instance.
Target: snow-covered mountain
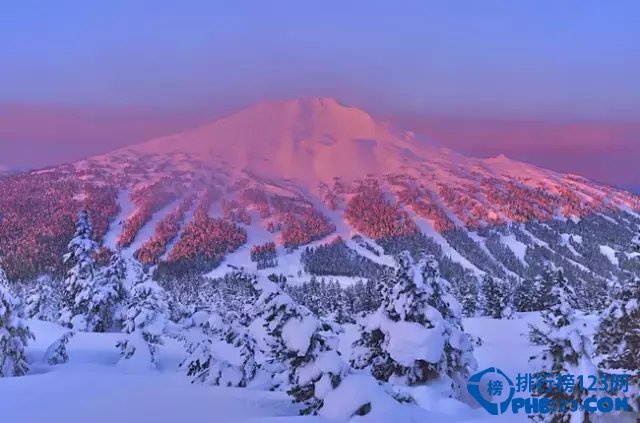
pixel 272 187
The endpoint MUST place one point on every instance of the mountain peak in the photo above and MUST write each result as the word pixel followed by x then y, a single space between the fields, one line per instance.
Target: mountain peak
pixel 325 114
pixel 311 139
pixel 501 158
pixel 320 101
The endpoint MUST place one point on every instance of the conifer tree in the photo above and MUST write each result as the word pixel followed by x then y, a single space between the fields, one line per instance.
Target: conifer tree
pixel 495 298
pixel 107 296
pixel 341 308
pixel 14 333
pixel 79 281
pixel 299 350
pixel 416 305
pixel 523 300
pixel 200 350
pixel 541 297
pixel 206 367
pixel 618 336
pixel 275 309
pixel 57 351
pixel 145 318
pixel 42 302
pixel 566 351
pixel 239 337
pixel 318 371
pixel 458 350
pixel 533 294
pixel 466 289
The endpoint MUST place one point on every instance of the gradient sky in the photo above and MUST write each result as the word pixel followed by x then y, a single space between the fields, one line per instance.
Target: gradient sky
pixel 99 66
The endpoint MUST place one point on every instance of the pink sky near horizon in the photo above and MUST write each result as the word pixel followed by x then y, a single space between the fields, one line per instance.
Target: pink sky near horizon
pixel 39 135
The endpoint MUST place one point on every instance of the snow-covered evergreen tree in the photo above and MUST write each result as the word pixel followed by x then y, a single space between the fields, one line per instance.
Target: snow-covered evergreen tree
pixel 466 290
pixel 107 296
pixel 566 351
pixel 522 296
pixel 297 348
pixel 79 281
pixel 458 350
pixel 14 333
pixel 363 297
pixel 328 299
pixel 618 337
pixel 541 297
pixel 342 309
pixel 635 243
pixel 618 334
pixel 144 319
pixel 495 298
pixel 208 329
pixel 417 310
pixel 239 337
pixel 57 351
pixel 274 309
pixel 227 322
pixel 205 365
pixel 318 371
pixel 43 301
pixel 315 296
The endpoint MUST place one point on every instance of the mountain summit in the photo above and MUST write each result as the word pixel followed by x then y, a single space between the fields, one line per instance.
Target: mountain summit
pixel 310 140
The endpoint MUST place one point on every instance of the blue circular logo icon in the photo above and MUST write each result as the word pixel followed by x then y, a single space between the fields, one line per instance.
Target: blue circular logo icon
pixel 492 389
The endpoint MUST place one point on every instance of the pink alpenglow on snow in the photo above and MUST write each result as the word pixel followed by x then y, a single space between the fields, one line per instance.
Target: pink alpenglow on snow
pixel 289 172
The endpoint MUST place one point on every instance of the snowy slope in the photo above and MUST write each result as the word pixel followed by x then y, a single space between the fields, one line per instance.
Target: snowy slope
pixel 301 148
pixel 91 387
pixel 281 157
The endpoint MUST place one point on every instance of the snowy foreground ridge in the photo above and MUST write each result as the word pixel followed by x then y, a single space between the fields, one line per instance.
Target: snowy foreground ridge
pixel 92 387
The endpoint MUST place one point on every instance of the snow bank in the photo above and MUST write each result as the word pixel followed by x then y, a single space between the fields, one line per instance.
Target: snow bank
pixel 362 392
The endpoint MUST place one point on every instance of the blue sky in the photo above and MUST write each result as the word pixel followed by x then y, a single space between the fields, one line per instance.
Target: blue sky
pixel 552 59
